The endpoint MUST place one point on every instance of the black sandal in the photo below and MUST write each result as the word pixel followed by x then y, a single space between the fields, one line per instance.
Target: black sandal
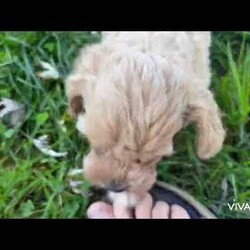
pixel 173 195
pixel 168 193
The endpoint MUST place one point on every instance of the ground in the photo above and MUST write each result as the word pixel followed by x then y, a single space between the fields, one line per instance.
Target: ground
pixel 34 185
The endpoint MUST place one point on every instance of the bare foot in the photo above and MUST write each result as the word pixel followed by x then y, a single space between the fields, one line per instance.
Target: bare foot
pixel 145 210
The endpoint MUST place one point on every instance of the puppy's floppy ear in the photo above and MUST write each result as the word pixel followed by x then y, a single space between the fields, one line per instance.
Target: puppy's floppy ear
pixel 204 111
pixel 84 70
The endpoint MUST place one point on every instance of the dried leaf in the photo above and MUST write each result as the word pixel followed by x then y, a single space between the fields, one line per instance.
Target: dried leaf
pixel 74 172
pixel 15 110
pixel 49 71
pixel 42 144
pixel 76 182
pixel 76 185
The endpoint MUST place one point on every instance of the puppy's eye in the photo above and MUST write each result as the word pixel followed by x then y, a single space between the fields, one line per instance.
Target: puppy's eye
pixel 76 105
pixel 126 148
pixel 137 161
pixel 130 149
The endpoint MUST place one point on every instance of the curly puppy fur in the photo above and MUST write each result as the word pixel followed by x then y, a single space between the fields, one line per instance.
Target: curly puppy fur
pixel 131 94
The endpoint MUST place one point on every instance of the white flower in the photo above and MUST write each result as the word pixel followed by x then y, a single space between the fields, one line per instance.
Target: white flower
pixel 49 71
pixel 12 108
pixel 42 144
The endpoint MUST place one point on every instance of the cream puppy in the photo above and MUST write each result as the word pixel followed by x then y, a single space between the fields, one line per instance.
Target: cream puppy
pixel 131 94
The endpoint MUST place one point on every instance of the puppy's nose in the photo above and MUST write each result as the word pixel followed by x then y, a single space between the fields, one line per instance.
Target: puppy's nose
pixel 116 187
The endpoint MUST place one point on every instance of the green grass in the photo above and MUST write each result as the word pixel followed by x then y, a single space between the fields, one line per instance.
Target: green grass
pixel 34 185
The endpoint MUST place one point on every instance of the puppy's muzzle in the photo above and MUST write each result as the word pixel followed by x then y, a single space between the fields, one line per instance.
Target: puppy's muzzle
pixel 116 187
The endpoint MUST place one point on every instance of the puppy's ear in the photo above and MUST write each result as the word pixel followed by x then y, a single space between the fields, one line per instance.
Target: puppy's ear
pixel 85 69
pixel 204 111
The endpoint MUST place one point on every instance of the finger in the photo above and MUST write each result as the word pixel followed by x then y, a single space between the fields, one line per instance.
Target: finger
pixel 143 209
pixel 100 210
pixel 178 212
pixel 160 210
pixel 121 212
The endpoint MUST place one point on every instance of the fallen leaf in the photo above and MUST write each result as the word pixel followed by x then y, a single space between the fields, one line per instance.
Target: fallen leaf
pixel 49 71
pixel 74 172
pixel 76 182
pixel 42 144
pixel 15 110
pixel 76 186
